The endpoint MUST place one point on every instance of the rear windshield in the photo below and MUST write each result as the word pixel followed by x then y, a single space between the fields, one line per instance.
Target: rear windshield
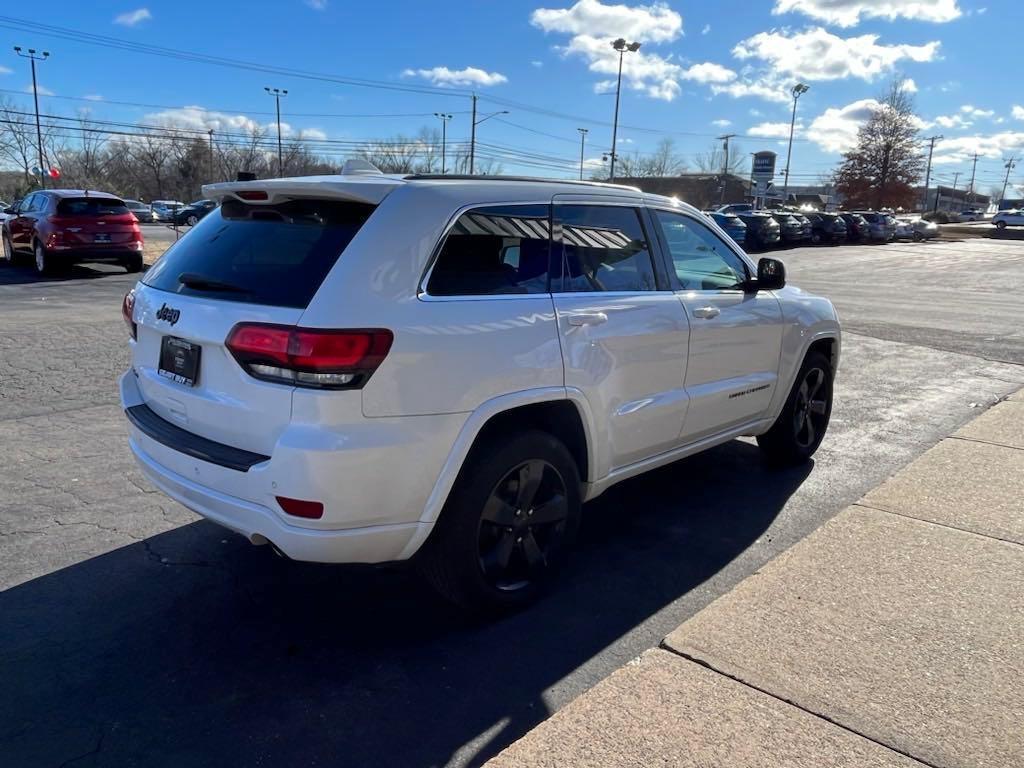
pixel 260 254
pixel 90 206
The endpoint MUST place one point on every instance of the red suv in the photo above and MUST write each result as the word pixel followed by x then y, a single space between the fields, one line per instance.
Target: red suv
pixel 60 227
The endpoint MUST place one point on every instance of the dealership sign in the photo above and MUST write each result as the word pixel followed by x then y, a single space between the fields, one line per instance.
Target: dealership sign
pixel 764 166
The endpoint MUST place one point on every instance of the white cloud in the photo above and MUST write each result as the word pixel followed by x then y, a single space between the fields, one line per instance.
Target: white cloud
pixel 1018 112
pixel 312 134
pixel 909 85
pixel 835 129
pixel 199 119
pixel 317 5
pixel 93 97
pixel 721 123
pixel 973 111
pixel 131 18
pixel 848 13
pixel 708 72
pixel 773 130
pixel 953 121
pixel 655 23
pixel 42 90
pixel 763 86
pixel 992 146
pixel 592 25
pixel 816 54
pixel 755 112
pixel 705 29
pixel 537 63
pixel 5 70
pixel 468 76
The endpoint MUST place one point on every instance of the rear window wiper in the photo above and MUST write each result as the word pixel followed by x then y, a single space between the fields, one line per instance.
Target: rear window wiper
pixel 204 283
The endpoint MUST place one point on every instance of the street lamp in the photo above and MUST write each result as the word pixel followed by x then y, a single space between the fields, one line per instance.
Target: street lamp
pixel 34 57
pixel 583 141
pixel 621 46
pixel 798 90
pixel 472 133
pixel 444 118
pixel 277 93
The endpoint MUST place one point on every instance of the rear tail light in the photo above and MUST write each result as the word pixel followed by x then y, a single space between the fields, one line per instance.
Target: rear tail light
pixel 312 510
pixel 252 194
pixel 128 313
pixel 308 357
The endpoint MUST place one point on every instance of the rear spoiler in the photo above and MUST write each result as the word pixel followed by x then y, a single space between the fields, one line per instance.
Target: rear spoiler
pixel 369 188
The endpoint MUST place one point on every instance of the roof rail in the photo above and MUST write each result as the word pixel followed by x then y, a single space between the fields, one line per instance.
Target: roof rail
pixel 494 177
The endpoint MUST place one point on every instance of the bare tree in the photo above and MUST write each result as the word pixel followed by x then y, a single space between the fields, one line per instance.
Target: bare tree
pixel 712 160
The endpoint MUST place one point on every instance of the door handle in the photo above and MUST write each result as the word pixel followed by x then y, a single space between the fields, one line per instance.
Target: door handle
pixel 706 313
pixel 588 318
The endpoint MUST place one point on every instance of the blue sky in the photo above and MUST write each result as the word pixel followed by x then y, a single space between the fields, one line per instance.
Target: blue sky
pixel 704 68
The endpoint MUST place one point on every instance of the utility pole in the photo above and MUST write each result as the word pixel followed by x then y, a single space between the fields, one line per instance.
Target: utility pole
pixel 798 90
pixel 444 117
pixel 1010 165
pixel 928 173
pixel 472 133
pixel 277 93
pixel 583 140
pixel 211 153
pixel 956 178
pixel 725 164
pixel 971 185
pixel 33 57
pixel 621 46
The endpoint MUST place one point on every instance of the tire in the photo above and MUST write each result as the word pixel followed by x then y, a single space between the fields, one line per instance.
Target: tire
pixel 192 220
pixel 487 553
pixel 790 441
pixel 816 239
pixel 44 261
pixel 8 251
pixel 1000 225
pixel 133 264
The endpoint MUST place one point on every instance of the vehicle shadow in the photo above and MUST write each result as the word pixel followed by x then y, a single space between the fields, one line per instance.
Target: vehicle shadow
pixel 23 274
pixel 194 648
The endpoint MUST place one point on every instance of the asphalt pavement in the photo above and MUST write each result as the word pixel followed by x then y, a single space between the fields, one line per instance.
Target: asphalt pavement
pixel 135 633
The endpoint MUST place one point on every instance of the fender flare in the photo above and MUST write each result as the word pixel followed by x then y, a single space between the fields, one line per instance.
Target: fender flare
pixel 782 393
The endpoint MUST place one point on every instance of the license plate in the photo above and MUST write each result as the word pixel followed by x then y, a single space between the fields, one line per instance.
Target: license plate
pixel 102 238
pixel 179 360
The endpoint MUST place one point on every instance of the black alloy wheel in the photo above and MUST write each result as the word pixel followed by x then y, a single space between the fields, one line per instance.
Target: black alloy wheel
pixel 524 523
pixel 810 412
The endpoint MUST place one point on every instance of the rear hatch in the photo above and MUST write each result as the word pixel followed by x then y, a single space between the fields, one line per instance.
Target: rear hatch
pixel 95 222
pixel 243 263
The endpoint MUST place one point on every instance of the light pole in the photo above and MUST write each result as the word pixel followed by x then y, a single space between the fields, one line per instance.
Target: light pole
pixel 444 118
pixel 798 90
pixel 583 141
pixel 277 93
pixel 472 133
pixel 33 57
pixel 621 46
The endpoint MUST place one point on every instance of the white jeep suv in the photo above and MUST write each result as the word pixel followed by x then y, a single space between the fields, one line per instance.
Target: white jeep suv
pixel 371 368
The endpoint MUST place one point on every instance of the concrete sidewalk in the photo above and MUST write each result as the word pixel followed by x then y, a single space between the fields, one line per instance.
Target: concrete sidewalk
pixel 891 636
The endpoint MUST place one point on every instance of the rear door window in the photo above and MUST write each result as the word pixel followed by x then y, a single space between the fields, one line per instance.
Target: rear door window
pixel 90 206
pixel 603 248
pixel 261 254
pixel 492 251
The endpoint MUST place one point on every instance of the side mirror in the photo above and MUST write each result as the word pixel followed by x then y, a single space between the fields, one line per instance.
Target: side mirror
pixel 10 211
pixel 771 274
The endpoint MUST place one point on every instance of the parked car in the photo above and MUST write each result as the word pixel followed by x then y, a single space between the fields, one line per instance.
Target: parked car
pixel 904 229
pixel 193 212
pixel 806 230
pixel 735 208
pixel 972 214
pixel 140 211
pixel 827 228
pixel 1009 218
pixel 733 226
pixel 791 229
pixel 413 413
pixel 60 227
pixel 921 229
pixel 163 210
pixel 881 226
pixel 857 228
pixel 762 230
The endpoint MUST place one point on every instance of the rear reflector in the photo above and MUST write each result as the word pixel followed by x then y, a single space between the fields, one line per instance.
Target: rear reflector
pixel 313 510
pixel 307 357
pixel 128 313
pixel 252 194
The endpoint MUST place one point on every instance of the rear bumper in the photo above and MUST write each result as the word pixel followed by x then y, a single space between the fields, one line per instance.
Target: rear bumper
pixel 116 254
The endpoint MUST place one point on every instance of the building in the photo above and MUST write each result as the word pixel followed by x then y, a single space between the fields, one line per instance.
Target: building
pixel 942 198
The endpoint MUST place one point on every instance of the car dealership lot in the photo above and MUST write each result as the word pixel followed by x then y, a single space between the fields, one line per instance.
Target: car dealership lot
pixel 134 632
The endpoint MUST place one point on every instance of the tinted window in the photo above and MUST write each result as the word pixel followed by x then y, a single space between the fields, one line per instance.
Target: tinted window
pixel 90 206
pixel 29 204
pixel 701 261
pixel 270 254
pixel 488 251
pixel 604 248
